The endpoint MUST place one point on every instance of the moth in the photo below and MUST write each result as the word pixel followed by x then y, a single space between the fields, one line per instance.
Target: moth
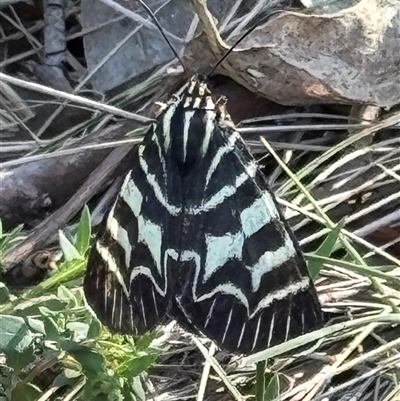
pixel 195 234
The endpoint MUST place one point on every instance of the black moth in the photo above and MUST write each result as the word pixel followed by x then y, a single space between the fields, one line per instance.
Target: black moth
pixel 195 234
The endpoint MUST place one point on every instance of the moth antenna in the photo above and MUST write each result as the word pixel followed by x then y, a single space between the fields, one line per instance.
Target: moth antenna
pixel 155 20
pixel 267 18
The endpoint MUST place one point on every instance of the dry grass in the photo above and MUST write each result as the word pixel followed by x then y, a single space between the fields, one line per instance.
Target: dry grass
pixel 359 281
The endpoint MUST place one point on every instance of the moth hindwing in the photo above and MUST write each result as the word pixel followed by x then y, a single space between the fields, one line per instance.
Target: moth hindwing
pixel 195 234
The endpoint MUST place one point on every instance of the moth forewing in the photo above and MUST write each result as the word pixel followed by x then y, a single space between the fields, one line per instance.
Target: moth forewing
pixel 251 288
pixel 127 258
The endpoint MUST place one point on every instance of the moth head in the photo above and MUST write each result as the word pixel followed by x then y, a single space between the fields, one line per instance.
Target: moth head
pixel 198 95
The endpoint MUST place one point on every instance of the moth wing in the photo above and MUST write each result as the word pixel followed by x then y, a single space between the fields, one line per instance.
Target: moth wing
pixel 126 281
pixel 249 287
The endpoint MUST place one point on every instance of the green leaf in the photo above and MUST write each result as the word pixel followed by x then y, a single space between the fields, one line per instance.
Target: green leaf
pixel 79 328
pixel 90 393
pixel 47 312
pixel 325 249
pixel 138 388
pixel 144 342
pixel 35 325
pixel 14 334
pixel 94 329
pixel 84 231
pixel 66 295
pixel 69 250
pixel 31 307
pixel 25 392
pixel 18 360
pixel 91 361
pixel 4 293
pixel 52 331
pixel 6 379
pixel 136 365
pixel 16 342
pixel 272 388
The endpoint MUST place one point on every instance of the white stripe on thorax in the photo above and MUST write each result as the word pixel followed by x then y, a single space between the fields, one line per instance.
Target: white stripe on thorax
pixel 161 156
pixel 186 126
pixel 167 125
pixel 209 129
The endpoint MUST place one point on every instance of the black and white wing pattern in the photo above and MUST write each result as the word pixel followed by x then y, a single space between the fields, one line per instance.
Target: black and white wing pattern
pixel 127 282
pixel 195 234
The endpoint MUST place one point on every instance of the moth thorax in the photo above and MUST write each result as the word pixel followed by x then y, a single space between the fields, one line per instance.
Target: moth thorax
pixel 192 130
pixel 189 124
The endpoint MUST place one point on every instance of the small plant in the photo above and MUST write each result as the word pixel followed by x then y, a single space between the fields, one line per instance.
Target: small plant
pixel 8 239
pixel 54 348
